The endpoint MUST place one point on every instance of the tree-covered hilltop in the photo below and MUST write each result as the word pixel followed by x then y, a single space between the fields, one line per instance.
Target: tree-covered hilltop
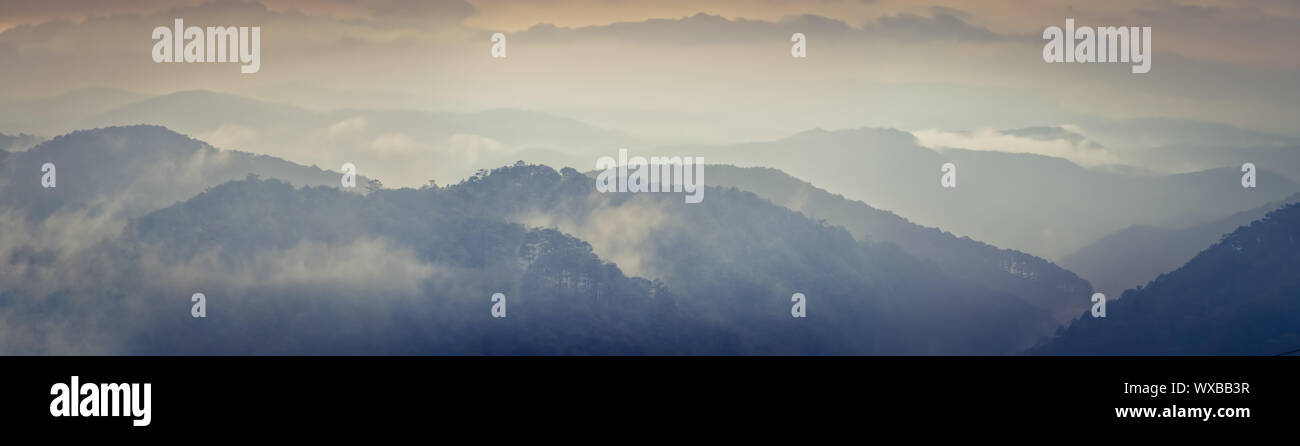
pixel 312 270
pixel 560 297
pixel 129 171
pixel 17 143
pixel 90 267
pixel 1038 282
pixel 1135 255
pixel 739 256
pixel 1240 296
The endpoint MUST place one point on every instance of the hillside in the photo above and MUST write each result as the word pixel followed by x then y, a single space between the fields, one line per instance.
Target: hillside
pixel 1035 280
pixel 1137 254
pixel 1238 297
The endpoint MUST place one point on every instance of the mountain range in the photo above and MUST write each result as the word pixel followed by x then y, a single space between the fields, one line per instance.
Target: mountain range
pixel 1237 297
pixel 1042 205
pixel 1137 254
pixel 18 143
pixel 1045 206
pixel 143 217
pixel 404 147
pixel 128 171
pixel 1033 279
pixel 317 269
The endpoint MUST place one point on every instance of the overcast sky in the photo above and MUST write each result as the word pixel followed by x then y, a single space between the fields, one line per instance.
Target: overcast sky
pixel 690 70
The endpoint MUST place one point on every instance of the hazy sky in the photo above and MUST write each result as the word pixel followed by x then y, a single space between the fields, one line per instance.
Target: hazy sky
pixel 690 70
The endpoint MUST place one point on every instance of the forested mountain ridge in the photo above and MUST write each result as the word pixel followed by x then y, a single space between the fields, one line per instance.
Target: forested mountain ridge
pixel 17 143
pixel 312 270
pixel 1043 205
pixel 128 171
pixel 1037 281
pixel 1137 254
pixel 1240 296
pixel 748 256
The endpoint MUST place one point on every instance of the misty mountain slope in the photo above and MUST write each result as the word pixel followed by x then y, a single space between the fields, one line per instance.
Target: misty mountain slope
pixel 738 258
pixel 1030 203
pixel 1134 255
pixel 404 147
pixel 182 111
pixel 19 142
pixel 128 171
pixel 318 270
pixel 1241 296
pixel 1036 281
pixel 510 126
pixel 426 290
pixel 55 246
pixel 63 113
pixel 322 271
pixel 1199 156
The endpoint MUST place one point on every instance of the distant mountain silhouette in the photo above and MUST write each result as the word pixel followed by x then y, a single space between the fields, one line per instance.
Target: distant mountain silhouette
pixel 177 111
pixel 316 269
pixel 1241 296
pixel 133 170
pixel 561 298
pixel 1137 254
pixel 63 113
pixel 1041 205
pixel 1037 204
pixel 1188 145
pixel 739 257
pixel 181 111
pixel 405 147
pixel 291 264
pixel 1282 160
pixel 1036 281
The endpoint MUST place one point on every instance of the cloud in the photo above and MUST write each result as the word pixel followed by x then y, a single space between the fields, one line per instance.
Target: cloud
pixel 636 66
pixel 617 233
pixel 944 24
pixel 14 13
pixel 1067 132
pixel 393 145
pixel 414 15
pixel 230 137
pixel 450 10
pixel 41 257
pixel 700 29
pixel 367 268
pixel 52 55
pixel 474 147
pixel 1061 142
pixel 69 287
pixel 347 128
pixel 431 12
